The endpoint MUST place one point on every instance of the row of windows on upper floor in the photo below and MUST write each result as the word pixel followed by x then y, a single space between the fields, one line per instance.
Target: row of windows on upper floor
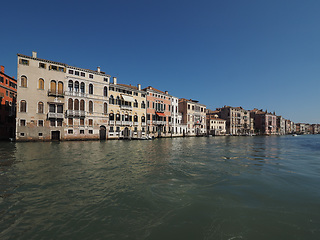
pixel 196 108
pixel 120 102
pixel 8 82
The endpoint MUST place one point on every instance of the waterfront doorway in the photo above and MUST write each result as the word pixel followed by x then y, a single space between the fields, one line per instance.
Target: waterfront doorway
pixel 103 133
pixel 55 135
pixel 126 133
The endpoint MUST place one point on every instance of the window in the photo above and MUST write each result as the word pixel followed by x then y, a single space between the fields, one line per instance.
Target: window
pixel 41 84
pixel 143 105
pixel 53 86
pixel 91 122
pixel 40 107
pixel 188 106
pixel 40 123
pixel 70 121
pixel 82 105
pixel 106 79
pixel 111 100
pixel 83 74
pixel 90 75
pixel 70 104
pixel 70 71
pixel 76 86
pixel 76 104
pixel 52 108
pixel 135 118
pixel 59 123
pixel 76 73
pixel 23 106
pixel 24 62
pixel 24 81
pixel 52 123
pixel 70 85
pixel 90 88
pixel 105 91
pixel 105 108
pixel 90 131
pixel 81 122
pixel 118 101
pixel 42 65
pixel 135 129
pixel 90 107
pixel 81 131
pixel 143 119
pixel 111 129
pixel 22 134
pixel 40 134
pixel 22 122
pixel 61 69
pixel 82 87
pixel 60 88
pixel 111 117
pixel 135 104
pixel 70 131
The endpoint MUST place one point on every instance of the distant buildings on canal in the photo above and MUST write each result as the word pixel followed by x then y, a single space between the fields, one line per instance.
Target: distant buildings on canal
pixel 56 101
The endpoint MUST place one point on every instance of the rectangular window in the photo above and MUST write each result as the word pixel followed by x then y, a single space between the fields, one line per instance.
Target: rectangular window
pixel 40 123
pixel 52 108
pixel 70 121
pixel 70 71
pixel 40 134
pixel 81 122
pixel 83 74
pixel 22 134
pixel 24 62
pixel 61 69
pixel 76 73
pixel 90 75
pixel 90 122
pixel 59 123
pixel 60 109
pixel 118 129
pixel 55 68
pixel 70 131
pixel 111 129
pixel 81 131
pixel 42 65
pixel 90 131
pixel 52 123
pixel 106 79
pixel 22 122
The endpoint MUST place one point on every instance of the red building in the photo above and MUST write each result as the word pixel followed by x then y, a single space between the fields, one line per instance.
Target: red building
pixel 8 95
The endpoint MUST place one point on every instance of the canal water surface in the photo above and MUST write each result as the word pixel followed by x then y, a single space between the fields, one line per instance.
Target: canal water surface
pixel 183 188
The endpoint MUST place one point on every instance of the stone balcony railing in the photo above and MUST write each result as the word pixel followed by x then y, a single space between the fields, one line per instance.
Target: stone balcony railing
pixel 135 123
pixel 55 93
pixel 111 122
pixel 75 94
pixel 75 113
pixel 126 107
pixel 55 115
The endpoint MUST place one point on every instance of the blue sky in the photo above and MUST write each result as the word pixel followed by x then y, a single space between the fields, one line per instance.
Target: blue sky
pixel 263 54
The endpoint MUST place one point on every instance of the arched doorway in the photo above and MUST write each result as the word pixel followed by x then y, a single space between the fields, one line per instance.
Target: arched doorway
pixel 103 133
pixel 126 133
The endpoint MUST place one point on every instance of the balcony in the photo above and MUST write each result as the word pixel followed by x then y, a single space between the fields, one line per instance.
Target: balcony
pixel 111 122
pixel 135 123
pixel 159 122
pixel 126 123
pixel 126 107
pixel 55 93
pixel 143 124
pixel 55 115
pixel 149 122
pixel 75 94
pixel 118 123
pixel 75 113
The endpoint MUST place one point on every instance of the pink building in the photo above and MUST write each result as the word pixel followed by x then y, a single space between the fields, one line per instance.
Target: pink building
pixel 265 123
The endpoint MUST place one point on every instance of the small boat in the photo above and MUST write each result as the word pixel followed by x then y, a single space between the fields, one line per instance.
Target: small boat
pixel 294 135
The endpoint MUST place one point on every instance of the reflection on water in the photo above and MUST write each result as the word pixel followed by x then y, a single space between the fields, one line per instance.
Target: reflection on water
pixel 184 188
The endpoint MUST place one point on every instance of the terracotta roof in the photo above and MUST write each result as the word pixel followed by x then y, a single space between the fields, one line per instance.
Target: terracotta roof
pixel 154 89
pixel 214 118
pixel 128 86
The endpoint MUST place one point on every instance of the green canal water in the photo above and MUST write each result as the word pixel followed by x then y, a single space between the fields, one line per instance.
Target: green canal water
pixel 184 188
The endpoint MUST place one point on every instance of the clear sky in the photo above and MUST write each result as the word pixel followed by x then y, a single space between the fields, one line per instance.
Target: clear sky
pixel 258 53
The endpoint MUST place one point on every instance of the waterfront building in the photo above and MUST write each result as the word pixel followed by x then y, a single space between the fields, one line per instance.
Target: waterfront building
pixel 238 121
pixel 127 111
pixel 158 112
pixel 281 125
pixel 178 129
pixel 194 116
pixel 265 122
pixel 8 96
pixel 215 125
pixel 60 102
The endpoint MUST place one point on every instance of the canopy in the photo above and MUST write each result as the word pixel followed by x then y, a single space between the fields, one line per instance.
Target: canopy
pixel 127 98
pixel 161 114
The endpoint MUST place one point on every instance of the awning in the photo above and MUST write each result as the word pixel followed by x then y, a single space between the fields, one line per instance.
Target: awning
pixel 127 98
pixel 161 114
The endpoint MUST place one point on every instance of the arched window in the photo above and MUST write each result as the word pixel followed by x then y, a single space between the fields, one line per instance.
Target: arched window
pixel 111 117
pixel 105 91
pixel 76 104
pixel 24 82
pixel 23 106
pixel 41 84
pixel 118 117
pixel 70 86
pixel 82 87
pixel 53 86
pixel 82 105
pixel 143 105
pixel 111 100
pixel 40 107
pixel 70 104
pixel 105 108
pixel 118 101
pixel 90 88
pixel 76 86
pixel 60 87
pixel 143 119
pixel 135 118
pixel 90 107
pixel 135 104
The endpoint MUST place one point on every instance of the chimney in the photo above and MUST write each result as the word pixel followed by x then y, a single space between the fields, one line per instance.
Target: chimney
pixel 2 68
pixel 98 69
pixel 139 86
pixel 166 92
pixel 34 54
pixel 114 80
